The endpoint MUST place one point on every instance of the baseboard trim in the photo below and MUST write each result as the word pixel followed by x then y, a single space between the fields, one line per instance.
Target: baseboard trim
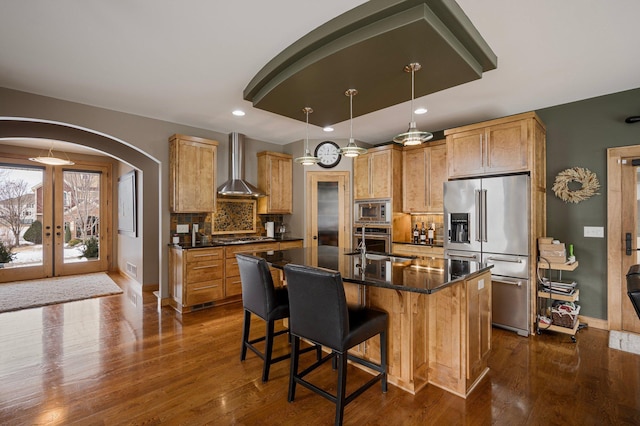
pixel 594 322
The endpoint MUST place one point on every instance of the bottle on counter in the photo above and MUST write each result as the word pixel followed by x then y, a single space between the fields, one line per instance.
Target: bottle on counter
pixel 430 233
pixel 416 235
pixel 423 235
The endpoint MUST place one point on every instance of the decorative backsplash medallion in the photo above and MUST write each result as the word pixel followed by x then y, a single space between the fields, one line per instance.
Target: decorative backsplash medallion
pixel 234 217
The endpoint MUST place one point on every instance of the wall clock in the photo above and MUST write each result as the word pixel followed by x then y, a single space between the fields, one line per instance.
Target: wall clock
pixel 328 154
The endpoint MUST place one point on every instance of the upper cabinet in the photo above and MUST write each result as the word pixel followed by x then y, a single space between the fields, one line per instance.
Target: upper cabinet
pixel 424 170
pixel 192 174
pixel 505 145
pixel 373 173
pixel 275 179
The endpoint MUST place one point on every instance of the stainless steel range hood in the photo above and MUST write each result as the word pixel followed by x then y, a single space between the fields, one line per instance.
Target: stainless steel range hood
pixel 236 186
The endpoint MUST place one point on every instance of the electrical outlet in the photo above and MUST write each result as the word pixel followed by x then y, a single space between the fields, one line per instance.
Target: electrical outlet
pixel 594 231
pixel 182 229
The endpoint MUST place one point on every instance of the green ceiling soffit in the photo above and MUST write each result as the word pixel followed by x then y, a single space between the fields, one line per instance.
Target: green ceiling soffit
pixel 366 49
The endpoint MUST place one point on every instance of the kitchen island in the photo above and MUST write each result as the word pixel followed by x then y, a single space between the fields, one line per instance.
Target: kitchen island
pixel 439 312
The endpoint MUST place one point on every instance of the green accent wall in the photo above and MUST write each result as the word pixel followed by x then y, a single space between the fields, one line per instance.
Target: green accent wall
pixel 578 134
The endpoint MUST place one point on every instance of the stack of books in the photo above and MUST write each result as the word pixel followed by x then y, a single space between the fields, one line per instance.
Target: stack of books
pixel 567 287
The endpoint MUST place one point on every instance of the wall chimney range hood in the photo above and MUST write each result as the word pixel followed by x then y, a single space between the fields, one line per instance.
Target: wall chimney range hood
pixel 236 186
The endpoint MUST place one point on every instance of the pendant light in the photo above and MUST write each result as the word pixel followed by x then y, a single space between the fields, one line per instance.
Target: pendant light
pixel 307 159
pixel 351 150
pixel 52 160
pixel 413 136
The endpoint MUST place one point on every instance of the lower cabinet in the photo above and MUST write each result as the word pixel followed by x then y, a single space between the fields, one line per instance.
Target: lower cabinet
pixel 202 277
pixel 443 338
pixel 196 277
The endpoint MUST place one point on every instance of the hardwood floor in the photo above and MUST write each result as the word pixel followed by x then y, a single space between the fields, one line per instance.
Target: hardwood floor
pixel 117 360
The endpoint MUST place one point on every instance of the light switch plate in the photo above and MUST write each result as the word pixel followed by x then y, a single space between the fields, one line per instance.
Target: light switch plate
pixel 182 229
pixel 594 231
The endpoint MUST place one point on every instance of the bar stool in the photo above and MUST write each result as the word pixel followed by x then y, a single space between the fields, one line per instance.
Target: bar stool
pixel 260 297
pixel 319 313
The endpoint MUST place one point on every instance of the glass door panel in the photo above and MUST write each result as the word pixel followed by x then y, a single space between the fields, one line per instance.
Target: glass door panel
pixel 25 247
pixel 79 209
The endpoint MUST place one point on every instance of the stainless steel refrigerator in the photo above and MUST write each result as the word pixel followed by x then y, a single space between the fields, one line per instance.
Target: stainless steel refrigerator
pixel 487 220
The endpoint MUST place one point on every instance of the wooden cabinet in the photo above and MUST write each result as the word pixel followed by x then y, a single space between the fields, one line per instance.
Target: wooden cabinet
pixel 195 277
pixel 462 309
pixel 376 173
pixel 232 282
pixel 275 179
pixel 418 250
pixel 505 145
pixel 192 174
pixel 424 170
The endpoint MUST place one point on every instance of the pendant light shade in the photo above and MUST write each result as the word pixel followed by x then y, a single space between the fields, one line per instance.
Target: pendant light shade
pixel 52 160
pixel 413 136
pixel 351 150
pixel 307 159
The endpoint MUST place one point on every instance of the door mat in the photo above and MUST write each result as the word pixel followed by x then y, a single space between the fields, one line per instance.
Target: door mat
pixel 48 291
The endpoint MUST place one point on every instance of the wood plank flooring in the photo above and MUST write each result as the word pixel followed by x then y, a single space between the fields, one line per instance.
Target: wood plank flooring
pixel 117 360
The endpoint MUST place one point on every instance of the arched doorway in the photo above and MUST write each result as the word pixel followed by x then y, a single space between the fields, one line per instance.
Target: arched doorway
pixel 150 168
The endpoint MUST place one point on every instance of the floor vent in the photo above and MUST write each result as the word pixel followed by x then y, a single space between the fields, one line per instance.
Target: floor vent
pixel 202 306
pixel 132 269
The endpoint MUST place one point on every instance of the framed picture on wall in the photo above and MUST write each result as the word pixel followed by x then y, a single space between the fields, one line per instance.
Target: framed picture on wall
pixel 127 204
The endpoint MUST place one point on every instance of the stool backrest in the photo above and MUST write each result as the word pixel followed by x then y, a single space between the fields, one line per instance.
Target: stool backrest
pixel 258 292
pixel 317 305
pixel 633 287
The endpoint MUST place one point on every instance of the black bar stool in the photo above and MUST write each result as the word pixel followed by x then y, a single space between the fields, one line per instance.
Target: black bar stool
pixel 633 287
pixel 260 297
pixel 319 313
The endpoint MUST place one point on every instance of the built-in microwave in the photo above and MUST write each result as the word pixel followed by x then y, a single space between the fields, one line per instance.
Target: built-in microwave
pixel 373 211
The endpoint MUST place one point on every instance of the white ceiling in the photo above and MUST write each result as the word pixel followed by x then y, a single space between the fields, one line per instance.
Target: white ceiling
pixel 189 61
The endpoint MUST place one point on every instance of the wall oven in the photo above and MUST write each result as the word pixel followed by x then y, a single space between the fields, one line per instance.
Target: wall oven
pixel 376 239
pixel 372 211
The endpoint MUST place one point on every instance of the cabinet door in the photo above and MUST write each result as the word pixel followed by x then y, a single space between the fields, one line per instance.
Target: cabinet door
pixel 437 176
pixel 465 153
pixel 274 177
pixel 361 183
pixel 414 180
pixel 192 175
pixel 380 170
pixel 507 148
pixel 478 325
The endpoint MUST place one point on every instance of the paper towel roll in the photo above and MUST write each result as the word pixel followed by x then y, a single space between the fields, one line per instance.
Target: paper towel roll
pixel 269 227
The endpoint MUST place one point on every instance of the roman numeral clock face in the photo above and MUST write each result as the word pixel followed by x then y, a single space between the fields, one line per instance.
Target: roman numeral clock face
pixel 328 154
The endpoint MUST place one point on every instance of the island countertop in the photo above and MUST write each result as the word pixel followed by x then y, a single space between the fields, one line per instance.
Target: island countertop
pixel 397 272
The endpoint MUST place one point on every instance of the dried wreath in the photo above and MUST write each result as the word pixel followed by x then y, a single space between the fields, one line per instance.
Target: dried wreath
pixel 585 177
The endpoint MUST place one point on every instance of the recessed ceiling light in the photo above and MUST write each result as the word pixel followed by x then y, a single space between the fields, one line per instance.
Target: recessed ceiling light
pixel 328 129
pixel 420 111
pixel 238 113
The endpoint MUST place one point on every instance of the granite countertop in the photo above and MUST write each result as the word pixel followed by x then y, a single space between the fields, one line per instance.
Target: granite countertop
pixel 233 241
pixel 438 245
pixel 404 273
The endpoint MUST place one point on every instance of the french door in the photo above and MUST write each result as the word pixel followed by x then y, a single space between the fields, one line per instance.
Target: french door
pixel 54 220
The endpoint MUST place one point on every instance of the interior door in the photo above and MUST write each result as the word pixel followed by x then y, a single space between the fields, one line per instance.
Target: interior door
pixel 623 186
pixel 630 230
pixel 328 209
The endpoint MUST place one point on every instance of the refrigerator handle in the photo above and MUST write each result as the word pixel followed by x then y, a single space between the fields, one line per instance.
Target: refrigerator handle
pixel 478 230
pixel 483 200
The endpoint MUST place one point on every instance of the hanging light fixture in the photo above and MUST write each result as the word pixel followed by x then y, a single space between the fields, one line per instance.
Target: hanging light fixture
pixel 307 159
pixel 413 136
pixel 52 160
pixel 351 150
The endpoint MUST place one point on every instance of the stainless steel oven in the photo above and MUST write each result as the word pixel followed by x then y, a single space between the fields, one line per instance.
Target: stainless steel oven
pixel 376 239
pixel 372 212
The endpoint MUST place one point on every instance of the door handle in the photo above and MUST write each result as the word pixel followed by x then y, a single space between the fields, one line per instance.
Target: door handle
pixel 315 237
pixel 628 243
